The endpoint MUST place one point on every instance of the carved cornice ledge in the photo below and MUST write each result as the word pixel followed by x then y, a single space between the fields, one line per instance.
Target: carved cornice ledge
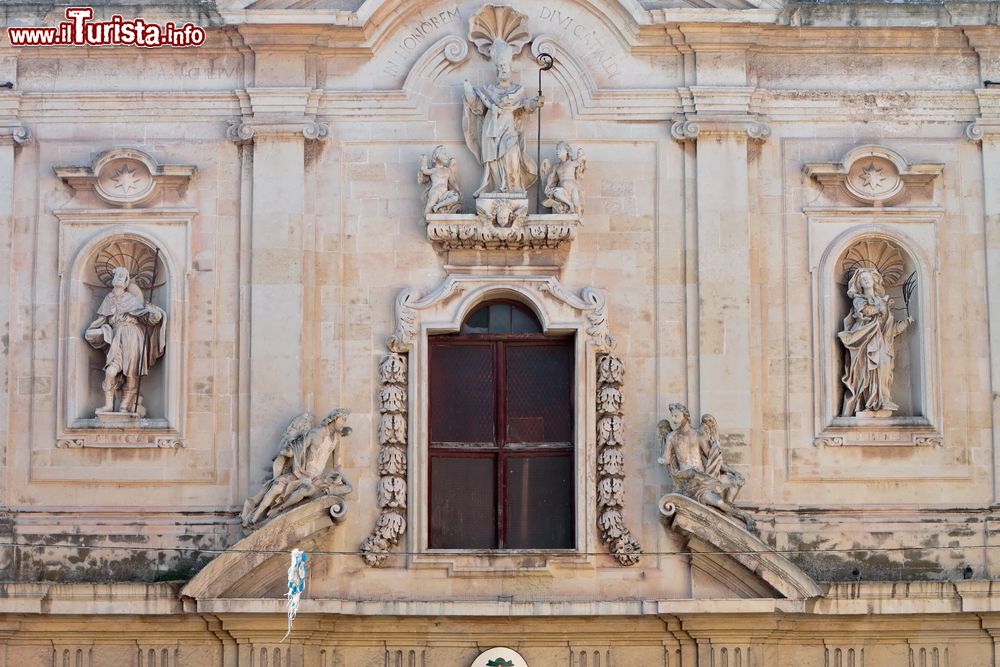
pixel 533 232
pixel 693 127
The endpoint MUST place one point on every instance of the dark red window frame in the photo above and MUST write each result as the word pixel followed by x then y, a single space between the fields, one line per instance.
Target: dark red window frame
pixel 464 505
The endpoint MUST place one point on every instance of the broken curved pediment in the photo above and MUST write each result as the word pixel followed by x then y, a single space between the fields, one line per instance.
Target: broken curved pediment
pixel 725 551
pixel 248 558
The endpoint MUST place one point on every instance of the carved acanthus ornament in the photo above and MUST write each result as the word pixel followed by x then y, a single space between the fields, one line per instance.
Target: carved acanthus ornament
pixel 611 461
pixel 392 428
pixel 506 227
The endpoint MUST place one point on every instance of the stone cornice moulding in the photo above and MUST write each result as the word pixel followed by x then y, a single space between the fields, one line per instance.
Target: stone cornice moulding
pixel 126 177
pixel 411 102
pixel 278 112
pixel 365 30
pixel 696 126
pixel 587 101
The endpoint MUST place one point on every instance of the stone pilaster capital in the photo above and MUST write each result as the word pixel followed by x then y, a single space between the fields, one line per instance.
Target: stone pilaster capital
pixel 18 135
pixel 981 128
pixel 246 130
pixel 694 127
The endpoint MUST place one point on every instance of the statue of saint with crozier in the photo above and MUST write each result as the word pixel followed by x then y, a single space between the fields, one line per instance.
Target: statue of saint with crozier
pixel 493 115
pixel 130 331
pixel 697 469
pixel 299 470
pixel 870 329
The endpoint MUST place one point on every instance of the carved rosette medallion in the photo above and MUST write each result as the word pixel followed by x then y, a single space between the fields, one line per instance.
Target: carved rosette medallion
pixel 610 461
pixel 875 179
pixel 127 177
pixel 391 522
pixel 123 180
pixel 873 176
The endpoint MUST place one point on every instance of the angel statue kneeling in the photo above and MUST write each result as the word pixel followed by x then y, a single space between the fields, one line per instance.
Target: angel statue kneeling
pixel 440 178
pixel 694 459
pixel 563 190
pixel 299 471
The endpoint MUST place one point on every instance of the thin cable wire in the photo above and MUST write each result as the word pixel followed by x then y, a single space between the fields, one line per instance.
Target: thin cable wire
pixel 30 545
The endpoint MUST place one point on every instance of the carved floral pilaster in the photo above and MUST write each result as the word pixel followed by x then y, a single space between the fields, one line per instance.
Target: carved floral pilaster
pixel 392 428
pixel 611 461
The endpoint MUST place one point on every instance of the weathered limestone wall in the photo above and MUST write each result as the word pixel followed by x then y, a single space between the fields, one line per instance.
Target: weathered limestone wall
pixel 703 227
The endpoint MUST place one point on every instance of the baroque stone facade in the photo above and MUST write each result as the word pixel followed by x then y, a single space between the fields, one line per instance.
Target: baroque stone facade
pixel 781 213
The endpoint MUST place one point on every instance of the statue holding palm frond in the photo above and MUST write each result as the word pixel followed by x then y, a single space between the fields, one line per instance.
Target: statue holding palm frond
pixel 871 328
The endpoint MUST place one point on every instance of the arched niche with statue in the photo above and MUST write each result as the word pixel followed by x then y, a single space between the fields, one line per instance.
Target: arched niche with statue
pixel 873 261
pixel 120 340
pixel 123 268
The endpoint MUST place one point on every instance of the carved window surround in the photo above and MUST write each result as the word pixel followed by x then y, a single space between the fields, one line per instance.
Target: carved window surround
pixel 403 488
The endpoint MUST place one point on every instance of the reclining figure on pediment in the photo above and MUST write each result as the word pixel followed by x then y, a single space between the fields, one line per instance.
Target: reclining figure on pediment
pixel 299 470
pixel 697 469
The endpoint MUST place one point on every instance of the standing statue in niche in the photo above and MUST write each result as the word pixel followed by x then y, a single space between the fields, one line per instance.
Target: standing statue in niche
pixel 697 469
pixel 493 115
pixel 440 177
pixel 130 329
pixel 563 190
pixel 870 328
pixel 299 470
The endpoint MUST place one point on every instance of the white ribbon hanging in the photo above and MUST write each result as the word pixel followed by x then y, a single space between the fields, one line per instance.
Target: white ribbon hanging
pixel 296 584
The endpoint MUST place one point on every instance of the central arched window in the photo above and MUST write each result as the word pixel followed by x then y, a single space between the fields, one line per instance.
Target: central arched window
pixel 501 434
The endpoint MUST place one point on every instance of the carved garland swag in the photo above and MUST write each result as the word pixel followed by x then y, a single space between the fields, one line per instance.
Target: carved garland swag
pixel 390 525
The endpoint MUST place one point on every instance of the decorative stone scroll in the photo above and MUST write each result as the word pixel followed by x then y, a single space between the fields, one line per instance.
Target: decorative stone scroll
pixel 722 548
pixel 611 461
